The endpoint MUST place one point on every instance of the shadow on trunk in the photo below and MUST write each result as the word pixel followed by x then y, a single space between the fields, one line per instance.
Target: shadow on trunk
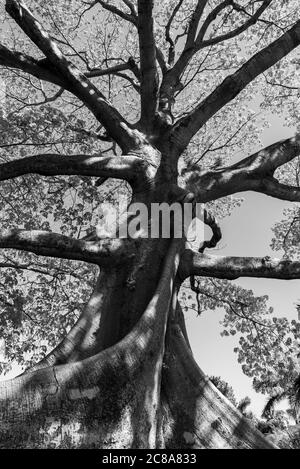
pixel 143 392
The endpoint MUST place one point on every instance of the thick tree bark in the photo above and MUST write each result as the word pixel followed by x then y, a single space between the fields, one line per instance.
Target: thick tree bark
pixel 114 383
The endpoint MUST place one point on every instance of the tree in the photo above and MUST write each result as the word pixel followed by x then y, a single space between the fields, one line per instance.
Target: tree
pixel 123 374
pixel 292 394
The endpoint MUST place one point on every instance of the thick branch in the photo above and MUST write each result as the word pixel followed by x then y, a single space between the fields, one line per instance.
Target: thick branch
pixel 129 168
pixel 203 265
pixel 44 243
pixel 28 64
pixel 149 75
pixel 190 44
pixel 255 173
pixel 117 70
pixel 188 126
pixel 79 85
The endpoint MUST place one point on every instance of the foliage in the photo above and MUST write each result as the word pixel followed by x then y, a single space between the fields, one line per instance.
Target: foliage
pixel 224 388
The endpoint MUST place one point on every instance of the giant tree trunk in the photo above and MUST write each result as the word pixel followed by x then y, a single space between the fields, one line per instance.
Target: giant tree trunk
pixel 125 376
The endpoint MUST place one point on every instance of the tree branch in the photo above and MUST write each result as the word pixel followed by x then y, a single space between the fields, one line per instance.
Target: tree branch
pixel 254 173
pixel 188 126
pixel 129 65
pixel 30 65
pixel 193 26
pixel 201 43
pixel 44 243
pixel 171 54
pixel 131 18
pixel 129 168
pixel 117 71
pixel 211 221
pixel 171 78
pixel 78 84
pixel 275 189
pixel 231 268
pixel 193 44
pixel 149 75
pixel 38 269
pixel 131 7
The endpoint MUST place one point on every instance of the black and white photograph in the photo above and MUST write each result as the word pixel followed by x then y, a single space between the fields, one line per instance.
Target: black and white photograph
pixel 149 228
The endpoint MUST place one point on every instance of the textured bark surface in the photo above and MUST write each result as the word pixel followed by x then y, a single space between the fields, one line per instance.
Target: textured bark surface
pixel 113 383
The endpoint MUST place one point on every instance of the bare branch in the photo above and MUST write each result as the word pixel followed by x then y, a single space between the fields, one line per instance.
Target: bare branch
pixel 131 7
pixel 117 71
pixel 255 173
pixel 231 268
pixel 161 61
pixel 131 18
pixel 211 221
pixel 149 75
pixel 171 79
pixel 208 22
pixel 188 126
pixel 282 85
pixel 273 188
pixel 131 80
pixel 193 26
pixel 45 243
pixel 129 65
pixel 47 99
pixel 129 168
pixel 79 85
pixel 196 288
pixel 201 43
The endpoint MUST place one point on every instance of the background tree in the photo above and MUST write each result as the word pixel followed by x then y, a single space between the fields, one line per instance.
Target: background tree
pixel 157 97
pixel 224 388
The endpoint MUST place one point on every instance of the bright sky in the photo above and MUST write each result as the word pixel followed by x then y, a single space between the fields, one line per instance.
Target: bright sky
pixel 247 232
